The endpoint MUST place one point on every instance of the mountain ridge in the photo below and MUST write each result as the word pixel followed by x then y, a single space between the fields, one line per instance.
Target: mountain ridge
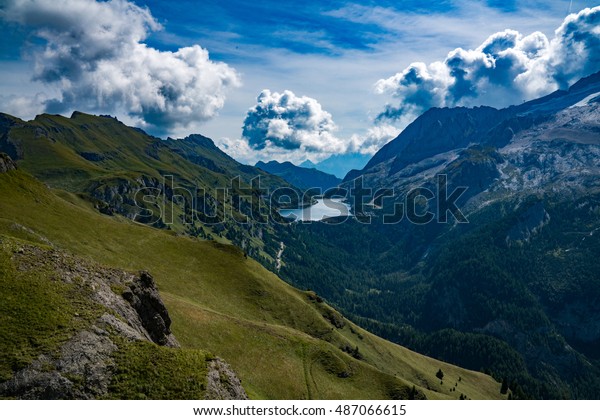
pixel 107 161
pixel 436 131
pixel 303 178
pixel 222 302
pixel 511 292
pixel 507 271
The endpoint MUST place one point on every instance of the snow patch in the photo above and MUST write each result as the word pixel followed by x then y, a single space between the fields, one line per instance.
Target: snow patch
pixel 586 101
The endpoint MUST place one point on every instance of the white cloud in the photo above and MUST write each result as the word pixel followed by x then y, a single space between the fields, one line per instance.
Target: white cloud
pixel 427 29
pixel 284 126
pixel 240 150
pixel 342 80
pixel 505 69
pixel 374 139
pixel 23 106
pixel 574 52
pixel 95 55
pixel 292 123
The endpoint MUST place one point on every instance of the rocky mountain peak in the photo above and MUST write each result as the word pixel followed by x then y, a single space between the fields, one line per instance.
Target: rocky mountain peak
pixel 438 130
pixel 201 140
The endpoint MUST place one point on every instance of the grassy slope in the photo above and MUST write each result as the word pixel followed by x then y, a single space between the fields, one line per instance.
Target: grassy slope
pixel 53 146
pixel 52 311
pixel 147 371
pixel 273 335
pixel 53 149
pixel 47 315
pixel 125 152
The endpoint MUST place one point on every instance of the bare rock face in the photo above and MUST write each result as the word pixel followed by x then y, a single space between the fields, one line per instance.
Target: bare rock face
pixel 10 146
pixel 118 196
pixel 143 296
pixel 223 384
pixel 6 163
pixel 80 371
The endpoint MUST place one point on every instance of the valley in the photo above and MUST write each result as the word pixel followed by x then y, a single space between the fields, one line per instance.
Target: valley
pixel 342 200
pixel 282 342
pixel 506 294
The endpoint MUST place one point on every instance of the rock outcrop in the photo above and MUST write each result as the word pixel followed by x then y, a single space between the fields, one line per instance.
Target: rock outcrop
pixel 143 296
pixel 6 163
pixel 125 308
pixel 81 370
pixel 223 384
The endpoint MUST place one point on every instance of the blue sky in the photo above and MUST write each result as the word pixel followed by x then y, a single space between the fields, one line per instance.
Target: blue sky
pixel 336 58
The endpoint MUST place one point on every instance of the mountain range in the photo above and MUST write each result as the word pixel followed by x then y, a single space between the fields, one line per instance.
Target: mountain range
pixel 105 299
pixel 303 178
pixel 503 282
pixel 508 283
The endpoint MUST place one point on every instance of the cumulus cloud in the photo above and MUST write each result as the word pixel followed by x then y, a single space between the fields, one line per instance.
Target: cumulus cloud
pixel 373 140
pixel 94 53
pixel 507 68
pixel 286 124
pixel 290 122
pixel 287 127
pixel 23 106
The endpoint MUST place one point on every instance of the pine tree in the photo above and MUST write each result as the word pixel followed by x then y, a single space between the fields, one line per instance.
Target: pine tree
pixel 440 374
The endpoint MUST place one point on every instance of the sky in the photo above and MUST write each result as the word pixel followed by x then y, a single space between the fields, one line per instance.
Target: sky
pixel 330 81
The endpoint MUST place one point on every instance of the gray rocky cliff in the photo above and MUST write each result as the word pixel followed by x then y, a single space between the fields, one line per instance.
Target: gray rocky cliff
pixel 6 163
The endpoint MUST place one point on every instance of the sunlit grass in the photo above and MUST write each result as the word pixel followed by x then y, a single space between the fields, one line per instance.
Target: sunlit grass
pixel 274 336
